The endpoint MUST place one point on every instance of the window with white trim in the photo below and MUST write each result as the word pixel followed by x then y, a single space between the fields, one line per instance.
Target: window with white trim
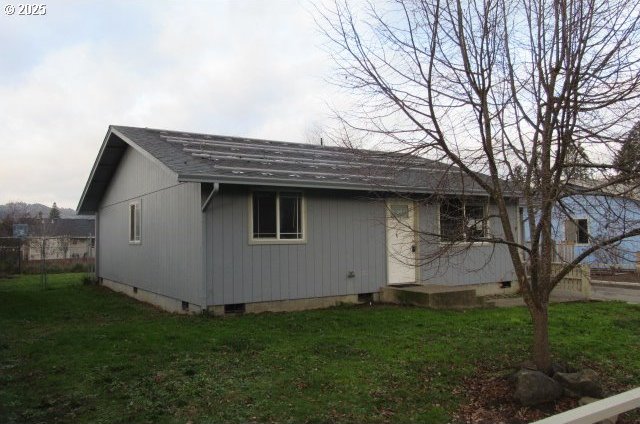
pixel 576 231
pixel 462 221
pixel 134 222
pixel 277 215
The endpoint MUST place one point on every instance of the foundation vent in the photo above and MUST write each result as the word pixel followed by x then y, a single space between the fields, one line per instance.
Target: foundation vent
pixel 135 290
pixel 185 306
pixel 365 297
pixel 234 308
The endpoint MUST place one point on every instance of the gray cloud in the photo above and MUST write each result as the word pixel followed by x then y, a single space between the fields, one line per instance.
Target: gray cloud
pixel 247 68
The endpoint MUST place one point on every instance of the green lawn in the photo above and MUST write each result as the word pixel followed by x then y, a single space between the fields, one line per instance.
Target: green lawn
pixel 77 353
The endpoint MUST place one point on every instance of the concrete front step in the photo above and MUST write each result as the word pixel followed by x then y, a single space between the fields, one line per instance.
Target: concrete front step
pixel 432 296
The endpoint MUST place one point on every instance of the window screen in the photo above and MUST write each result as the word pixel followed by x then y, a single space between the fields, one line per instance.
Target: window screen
pixel 583 231
pixel 576 231
pixel 277 215
pixel 460 221
pixel 290 216
pixel 452 220
pixel 134 222
pixel 476 223
pixel 264 215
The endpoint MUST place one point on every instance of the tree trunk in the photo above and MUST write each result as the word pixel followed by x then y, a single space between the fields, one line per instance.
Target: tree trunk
pixel 541 348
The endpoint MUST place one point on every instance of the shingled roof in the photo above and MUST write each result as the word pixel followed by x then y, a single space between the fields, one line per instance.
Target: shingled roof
pixel 236 160
pixel 62 227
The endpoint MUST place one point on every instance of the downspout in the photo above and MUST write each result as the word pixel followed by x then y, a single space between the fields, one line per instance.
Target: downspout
pixel 216 188
pixel 205 204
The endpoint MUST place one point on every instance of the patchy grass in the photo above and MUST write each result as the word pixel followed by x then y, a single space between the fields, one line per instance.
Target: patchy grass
pixel 76 353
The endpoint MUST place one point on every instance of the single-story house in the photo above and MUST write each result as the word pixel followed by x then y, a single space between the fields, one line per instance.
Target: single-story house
pixel 60 238
pixel 585 217
pixel 204 222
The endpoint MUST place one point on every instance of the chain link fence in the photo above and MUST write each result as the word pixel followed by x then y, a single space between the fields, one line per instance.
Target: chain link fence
pixel 41 255
pixel 10 256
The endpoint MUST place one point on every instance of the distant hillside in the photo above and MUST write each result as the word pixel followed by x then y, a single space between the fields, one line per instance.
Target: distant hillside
pixel 32 210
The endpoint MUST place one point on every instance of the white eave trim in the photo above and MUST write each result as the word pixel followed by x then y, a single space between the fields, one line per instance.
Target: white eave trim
pixel 103 147
pixel 302 183
pixel 140 150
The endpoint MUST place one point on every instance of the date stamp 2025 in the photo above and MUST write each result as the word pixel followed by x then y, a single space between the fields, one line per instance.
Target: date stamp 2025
pixel 26 9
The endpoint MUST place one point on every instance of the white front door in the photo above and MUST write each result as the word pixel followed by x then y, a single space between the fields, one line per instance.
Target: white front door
pixel 401 247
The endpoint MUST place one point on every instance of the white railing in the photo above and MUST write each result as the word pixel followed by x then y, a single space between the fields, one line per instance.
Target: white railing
pixel 598 410
pixel 577 281
pixel 565 252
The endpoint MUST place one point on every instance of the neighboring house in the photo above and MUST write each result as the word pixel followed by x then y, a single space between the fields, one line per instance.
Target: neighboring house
pixel 581 220
pixel 62 238
pixel 194 221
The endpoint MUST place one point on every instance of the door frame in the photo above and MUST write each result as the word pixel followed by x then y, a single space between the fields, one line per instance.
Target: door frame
pixel 415 210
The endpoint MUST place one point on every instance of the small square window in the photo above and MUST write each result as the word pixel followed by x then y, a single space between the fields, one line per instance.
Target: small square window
pixel 277 215
pixel 460 221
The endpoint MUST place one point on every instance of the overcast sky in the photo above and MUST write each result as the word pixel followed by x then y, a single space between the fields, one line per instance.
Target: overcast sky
pixel 245 68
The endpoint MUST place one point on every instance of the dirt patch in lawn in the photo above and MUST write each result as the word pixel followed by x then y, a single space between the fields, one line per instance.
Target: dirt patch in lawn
pixel 489 400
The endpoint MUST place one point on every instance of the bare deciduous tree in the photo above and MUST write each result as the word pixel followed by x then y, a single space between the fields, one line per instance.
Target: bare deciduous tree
pixel 520 95
pixel 63 245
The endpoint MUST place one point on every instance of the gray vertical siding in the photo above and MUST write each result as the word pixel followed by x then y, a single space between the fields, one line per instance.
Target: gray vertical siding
pixel 477 264
pixel 344 233
pixel 168 261
pixel 137 175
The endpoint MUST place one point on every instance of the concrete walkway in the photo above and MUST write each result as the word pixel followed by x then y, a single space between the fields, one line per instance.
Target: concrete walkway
pixel 611 290
pixel 508 302
pixel 618 284
pixel 600 290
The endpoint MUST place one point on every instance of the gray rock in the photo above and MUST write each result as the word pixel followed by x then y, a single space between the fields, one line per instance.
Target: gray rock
pixel 534 387
pixel 528 365
pixel 587 400
pixel 581 383
pixel 558 367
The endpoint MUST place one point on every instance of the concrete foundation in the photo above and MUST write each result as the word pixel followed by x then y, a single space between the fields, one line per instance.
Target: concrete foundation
pixel 295 304
pixel 175 306
pixel 163 302
pixel 492 289
pixel 433 296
